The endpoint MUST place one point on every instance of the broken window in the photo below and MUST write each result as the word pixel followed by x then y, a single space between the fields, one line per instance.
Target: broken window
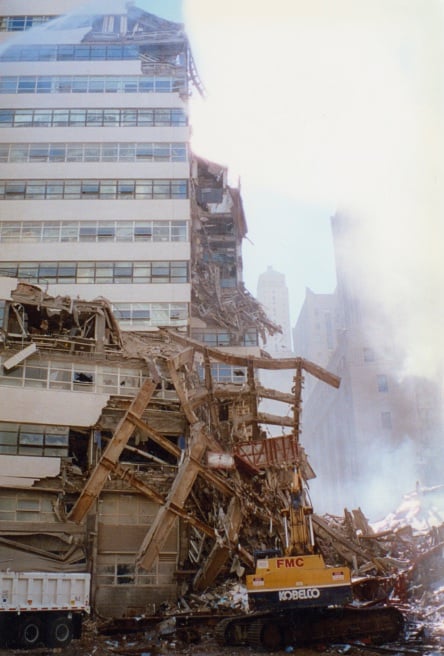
pixel 83 379
pixel 224 373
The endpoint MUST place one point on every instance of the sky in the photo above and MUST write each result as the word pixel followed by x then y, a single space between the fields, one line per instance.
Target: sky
pixel 322 106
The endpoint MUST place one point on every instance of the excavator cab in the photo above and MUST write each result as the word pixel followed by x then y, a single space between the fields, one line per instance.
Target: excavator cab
pixel 298 577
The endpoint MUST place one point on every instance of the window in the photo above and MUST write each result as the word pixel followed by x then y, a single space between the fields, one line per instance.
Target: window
pixel 178 231
pixel 62 376
pixel 105 232
pixel 6 118
pixel 369 355
pixel 30 231
pixel 143 231
pixel 382 383
pixel 151 314
pixel 386 419
pixel 125 188
pixel 224 373
pixel 141 312
pixel 97 231
pixel 93 84
pixel 31 440
pixel 79 52
pixel 95 152
pixel 15 190
pixel 90 188
pixel 161 231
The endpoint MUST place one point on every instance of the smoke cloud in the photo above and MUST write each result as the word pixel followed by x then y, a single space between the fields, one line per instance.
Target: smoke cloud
pixel 336 105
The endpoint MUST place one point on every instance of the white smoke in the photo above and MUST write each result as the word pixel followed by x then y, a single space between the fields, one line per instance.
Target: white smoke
pixel 331 105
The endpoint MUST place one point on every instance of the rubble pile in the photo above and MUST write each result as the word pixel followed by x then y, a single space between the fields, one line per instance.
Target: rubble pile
pixel 165 485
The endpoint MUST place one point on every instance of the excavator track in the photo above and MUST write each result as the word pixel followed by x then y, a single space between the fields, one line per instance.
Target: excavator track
pixel 276 630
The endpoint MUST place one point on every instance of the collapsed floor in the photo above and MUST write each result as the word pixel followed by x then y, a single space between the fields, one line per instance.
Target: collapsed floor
pixel 175 483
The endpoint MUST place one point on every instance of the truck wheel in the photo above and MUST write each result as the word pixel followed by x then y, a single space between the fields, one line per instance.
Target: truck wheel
pixel 59 633
pixel 29 632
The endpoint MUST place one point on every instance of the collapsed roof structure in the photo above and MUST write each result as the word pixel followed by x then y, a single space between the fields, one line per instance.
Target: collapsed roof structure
pixel 137 432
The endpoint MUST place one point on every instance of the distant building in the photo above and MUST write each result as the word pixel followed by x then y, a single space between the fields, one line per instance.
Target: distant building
pixel 272 293
pixel 380 432
pixel 314 335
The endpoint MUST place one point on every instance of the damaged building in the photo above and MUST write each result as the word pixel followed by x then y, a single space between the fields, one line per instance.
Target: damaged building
pixel 131 455
pixel 113 232
pixel 127 456
pixel 132 430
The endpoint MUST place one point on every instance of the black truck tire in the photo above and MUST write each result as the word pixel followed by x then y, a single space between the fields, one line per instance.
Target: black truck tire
pixel 29 632
pixel 59 632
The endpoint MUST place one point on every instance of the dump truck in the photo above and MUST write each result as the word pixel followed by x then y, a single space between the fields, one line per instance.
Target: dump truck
pixel 42 607
pixel 296 599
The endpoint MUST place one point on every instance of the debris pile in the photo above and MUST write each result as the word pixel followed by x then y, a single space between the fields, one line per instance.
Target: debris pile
pixel 164 483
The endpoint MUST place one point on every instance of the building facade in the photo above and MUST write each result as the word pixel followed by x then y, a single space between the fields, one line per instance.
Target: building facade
pixel 272 292
pixel 375 437
pixel 95 161
pixel 102 199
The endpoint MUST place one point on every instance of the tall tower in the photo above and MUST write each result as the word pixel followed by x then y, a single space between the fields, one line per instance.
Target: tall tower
pixel 94 157
pixel 372 439
pixel 272 292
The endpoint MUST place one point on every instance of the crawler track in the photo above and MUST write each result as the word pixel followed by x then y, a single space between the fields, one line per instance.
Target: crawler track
pixel 275 630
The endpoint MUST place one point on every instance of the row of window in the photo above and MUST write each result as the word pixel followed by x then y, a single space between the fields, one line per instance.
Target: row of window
pixel 156 117
pixel 89 84
pixel 80 377
pixel 151 314
pixel 224 373
pixel 33 440
pixel 95 231
pixel 126 572
pixel 21 506
pixel 21 23
pixel 93 152
pixel 88 189
pixel 213 338
pixel 98 272
pixel 70 52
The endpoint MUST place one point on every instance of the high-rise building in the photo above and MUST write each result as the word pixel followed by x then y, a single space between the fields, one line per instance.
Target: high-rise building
pixel 95 161
pixel 102 199
pixel 315 332
pixel 272 292
pixel 375 436
pixel 102 194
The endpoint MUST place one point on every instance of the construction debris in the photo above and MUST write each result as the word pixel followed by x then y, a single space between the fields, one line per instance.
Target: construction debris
pixel 163 481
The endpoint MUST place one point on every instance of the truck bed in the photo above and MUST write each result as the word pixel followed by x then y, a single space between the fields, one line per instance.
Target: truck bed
pixel 44 591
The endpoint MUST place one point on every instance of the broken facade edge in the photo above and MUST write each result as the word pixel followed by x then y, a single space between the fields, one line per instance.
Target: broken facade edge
pixel 173 484
pixel 113 431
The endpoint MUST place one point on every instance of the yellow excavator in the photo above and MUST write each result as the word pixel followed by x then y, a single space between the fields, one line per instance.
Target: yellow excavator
pixel 294 597
pixel 298 577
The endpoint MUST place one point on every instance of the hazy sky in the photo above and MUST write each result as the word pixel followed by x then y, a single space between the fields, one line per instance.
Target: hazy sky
pixel 319 105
